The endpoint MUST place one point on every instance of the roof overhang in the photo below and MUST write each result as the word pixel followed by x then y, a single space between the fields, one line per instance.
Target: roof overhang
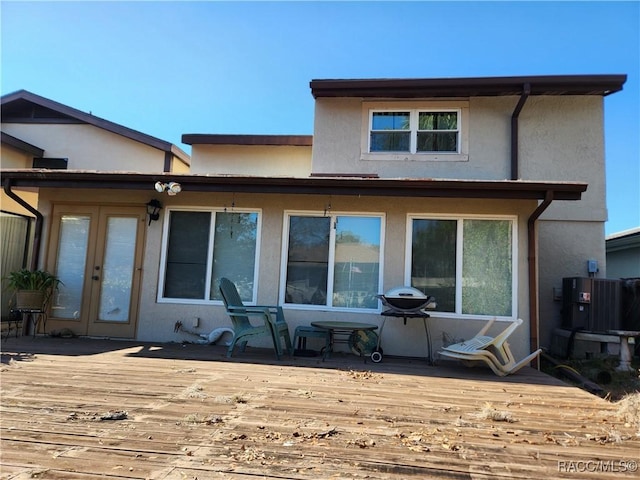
pixel 316 185
pixel 21 145
pixel 22 98
pixel 469 87
pixel 248 140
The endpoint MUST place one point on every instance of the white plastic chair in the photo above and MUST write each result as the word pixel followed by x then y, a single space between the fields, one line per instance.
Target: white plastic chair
pixel 493 351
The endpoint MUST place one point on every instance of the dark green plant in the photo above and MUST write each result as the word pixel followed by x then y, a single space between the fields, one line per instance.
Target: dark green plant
pixel 25 279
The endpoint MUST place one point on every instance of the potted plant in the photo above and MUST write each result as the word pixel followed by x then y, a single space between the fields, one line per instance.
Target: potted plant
pixel 32 288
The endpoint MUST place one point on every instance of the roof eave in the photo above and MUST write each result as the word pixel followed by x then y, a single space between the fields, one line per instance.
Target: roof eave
pixel 97 122
pixel 309 185
pixel 469 87
pixel 247 140
pixel 21 145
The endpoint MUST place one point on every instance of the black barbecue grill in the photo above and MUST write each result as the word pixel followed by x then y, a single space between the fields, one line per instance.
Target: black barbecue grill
pixel 405 302
pixel 406 299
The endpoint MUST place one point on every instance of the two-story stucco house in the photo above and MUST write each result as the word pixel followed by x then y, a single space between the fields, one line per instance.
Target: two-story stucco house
pixel 483 192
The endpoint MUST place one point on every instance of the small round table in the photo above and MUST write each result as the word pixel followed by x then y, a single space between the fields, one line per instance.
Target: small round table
pixel 344 330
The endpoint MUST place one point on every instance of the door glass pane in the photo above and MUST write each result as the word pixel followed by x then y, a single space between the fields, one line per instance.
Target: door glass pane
pixel 357 262
pixel 70 265
pixel 187 251
pixel 118 269
pixel 433 260
pixel 487 267
pixel 234 252
pixel 308 260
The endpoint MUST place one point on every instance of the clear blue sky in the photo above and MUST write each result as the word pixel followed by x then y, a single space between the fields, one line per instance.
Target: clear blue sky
pixel 169 68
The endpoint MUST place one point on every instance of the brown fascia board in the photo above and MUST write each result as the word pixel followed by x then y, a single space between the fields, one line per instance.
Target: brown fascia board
pixel 22 145
pixel 254 140
pixel 469 87
pixel 380 187
pixel 97 122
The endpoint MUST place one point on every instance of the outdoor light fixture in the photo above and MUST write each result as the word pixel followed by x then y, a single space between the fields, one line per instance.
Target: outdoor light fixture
pixel 153 210
pixel 172 188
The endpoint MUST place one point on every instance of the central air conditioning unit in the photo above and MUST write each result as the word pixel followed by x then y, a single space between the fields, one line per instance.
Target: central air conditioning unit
pixel 592 304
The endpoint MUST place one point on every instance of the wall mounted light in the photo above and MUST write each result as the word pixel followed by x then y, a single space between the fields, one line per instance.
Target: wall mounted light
pixel 153 210
pixel 172 188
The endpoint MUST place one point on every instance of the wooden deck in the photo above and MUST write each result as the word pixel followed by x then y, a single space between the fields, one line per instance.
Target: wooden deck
pixel 84 409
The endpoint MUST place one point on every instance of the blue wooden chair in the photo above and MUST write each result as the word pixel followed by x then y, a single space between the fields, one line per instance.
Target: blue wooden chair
pixel 271 322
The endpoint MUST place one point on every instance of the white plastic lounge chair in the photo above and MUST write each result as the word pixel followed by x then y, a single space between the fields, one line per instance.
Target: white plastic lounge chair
pixel 494 351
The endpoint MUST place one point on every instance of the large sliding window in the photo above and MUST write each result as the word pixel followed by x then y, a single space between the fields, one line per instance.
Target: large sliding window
pixel 467 264
pixel 332 261
pixel 201 247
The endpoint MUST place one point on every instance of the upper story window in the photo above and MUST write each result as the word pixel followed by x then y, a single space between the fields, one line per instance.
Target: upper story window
pixel 415 131
pixel 419 130
pixel 202 246
pixel 332 261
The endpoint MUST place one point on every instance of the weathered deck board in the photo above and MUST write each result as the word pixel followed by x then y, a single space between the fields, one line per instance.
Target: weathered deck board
pixel 191 413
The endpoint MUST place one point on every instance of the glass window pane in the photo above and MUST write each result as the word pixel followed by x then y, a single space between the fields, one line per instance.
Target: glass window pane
pixel 308 260
pixel 357 262
pixel 437 142
pixel 187 250
pixel 70 265
pixel 234 252
pixel 117 269
pixel 487 267
pixel 438 121
pixel 433 260
pixel 390 141
pixel 390 121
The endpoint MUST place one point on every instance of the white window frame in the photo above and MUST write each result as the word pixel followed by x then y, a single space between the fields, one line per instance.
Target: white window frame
pixel 459 258
pixel 163 254
pixel 331 260
pixel 414 108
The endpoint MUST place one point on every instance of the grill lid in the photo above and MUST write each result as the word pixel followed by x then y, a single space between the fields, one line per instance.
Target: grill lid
pixel 406 299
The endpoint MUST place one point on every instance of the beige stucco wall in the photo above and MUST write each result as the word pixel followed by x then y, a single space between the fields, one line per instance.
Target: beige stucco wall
pixel 13 158
pixel 156 321
pixel 263 160
pixel 561 138
pixel 178 166
pixel 557 136
pixel 88 147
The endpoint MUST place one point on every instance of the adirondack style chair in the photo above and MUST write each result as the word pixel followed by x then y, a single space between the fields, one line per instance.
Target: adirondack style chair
pixel 270 321
pixel 493 351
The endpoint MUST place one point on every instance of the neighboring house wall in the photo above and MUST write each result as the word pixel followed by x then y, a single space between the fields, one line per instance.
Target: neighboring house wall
pixel 623 254
pixel 13 158
pixel 624 263
pixel 89 148
pixel 263 160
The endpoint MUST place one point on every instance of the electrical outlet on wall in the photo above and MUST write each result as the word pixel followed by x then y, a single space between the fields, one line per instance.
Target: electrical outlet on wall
pixel 196 322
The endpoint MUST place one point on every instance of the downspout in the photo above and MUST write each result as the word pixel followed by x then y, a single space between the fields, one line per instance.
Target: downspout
pixel 37 233
pixel 514 131
pixel 533 273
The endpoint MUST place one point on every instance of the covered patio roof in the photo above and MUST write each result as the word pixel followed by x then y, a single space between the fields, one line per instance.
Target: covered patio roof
pixel 330 185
